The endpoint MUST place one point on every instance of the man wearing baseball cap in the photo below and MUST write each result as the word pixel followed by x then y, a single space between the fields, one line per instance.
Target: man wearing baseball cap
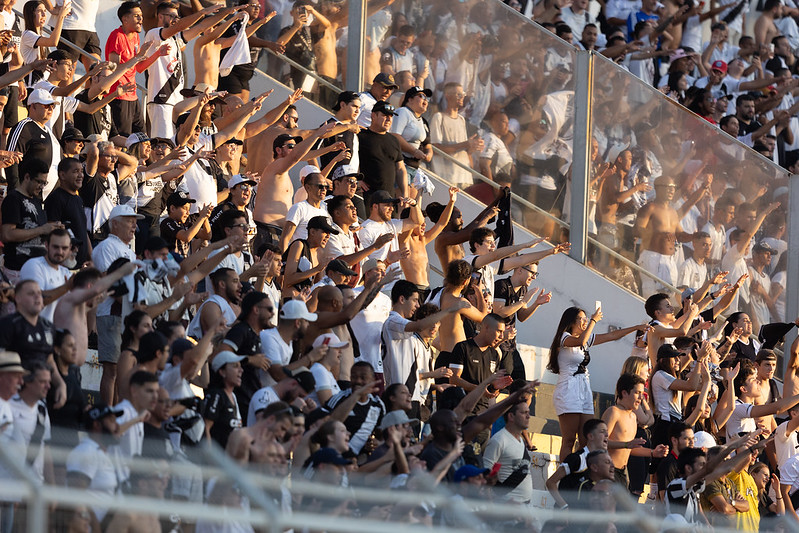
pixel 298 384
pixel 382 86
pixel 175 229
pixel 122 222
pixel 277 343
pixel 381 156
pixel 35 133
pixel 241 188
pixel 722 85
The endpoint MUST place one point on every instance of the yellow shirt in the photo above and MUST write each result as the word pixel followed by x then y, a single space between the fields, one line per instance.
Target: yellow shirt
pixel 750 520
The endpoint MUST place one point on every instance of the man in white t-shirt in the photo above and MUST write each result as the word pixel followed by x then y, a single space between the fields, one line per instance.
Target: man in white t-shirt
pixel 32 422
pixel 133 412
pixel 48 271
pixel 380 222
pixel 495 157
pixel 326 384
pixel 693 272
pixel 760 300
pixel 298 384
pixel 367 325
pixel 165 80
pixel 508 448
pixel 276 343
pixel 89 465
pixel 786 441
pixel 448 133
pixel 316 186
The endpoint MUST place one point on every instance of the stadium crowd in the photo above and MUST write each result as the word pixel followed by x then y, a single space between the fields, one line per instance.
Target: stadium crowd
pixel 296 328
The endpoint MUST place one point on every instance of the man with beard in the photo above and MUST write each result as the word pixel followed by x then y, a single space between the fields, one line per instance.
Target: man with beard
pixel 622 425
pixel 65 205
pixel 382 86
pixel 222 305
pixel 244 339
pixel 297 385
pixel 745 113
pixel 48 271
pixel 89 466
pixel 277 343
pixel 24 221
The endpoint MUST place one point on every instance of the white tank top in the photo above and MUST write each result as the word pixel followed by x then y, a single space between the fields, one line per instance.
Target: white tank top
pixel 195 328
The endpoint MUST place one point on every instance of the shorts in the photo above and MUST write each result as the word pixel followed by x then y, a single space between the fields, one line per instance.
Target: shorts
pixel 11 109
pixel 236 82
pixel 573 395
pixel 126 114
pixel 620 476
pixel 109 338
pixel 86 40
pixel 424 292
pixel 160 117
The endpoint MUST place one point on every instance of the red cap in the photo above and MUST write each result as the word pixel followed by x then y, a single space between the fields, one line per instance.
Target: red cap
pixel 719 65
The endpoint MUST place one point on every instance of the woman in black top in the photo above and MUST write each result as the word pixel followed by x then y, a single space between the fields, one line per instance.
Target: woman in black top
pixel 767 507
pixel 66 421
pixel 302 261
pixel 137 324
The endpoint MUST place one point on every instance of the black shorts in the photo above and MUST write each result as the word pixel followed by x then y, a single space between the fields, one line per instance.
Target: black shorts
pixel 237 81
pixel 126 115
pixel 86 40
pixel 11 110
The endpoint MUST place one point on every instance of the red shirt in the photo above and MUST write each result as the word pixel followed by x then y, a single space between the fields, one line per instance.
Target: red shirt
pixel 126 46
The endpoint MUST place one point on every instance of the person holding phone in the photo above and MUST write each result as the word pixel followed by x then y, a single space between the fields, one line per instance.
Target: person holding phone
pixel 569 358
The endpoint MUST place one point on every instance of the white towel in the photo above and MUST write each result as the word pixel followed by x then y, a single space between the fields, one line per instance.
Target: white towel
pixel 239 53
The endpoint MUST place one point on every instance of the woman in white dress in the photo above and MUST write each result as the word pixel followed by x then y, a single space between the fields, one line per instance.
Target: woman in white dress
pixel 569 358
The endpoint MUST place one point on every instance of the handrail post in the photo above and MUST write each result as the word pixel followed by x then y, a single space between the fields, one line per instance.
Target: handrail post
pixel 792 281
pixel 581 150
pixel 356 47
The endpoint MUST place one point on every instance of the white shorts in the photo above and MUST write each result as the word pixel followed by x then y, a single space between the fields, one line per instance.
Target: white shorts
pixel 161 123
pixel 573 395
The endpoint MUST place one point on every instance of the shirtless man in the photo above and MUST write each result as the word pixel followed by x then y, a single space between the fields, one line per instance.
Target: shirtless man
pixel 665 326
pixel 208 47
pixel 275 192
pixel 88 290
pixel 457 279
pixel 449 244
pixel 150 483
pixel 658 216
pixel 415 266
pixel 623 424
pixel 251 444
pixel 765 29
pixel 613 195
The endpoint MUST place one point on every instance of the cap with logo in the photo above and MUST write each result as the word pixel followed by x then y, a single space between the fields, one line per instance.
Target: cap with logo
pixel 303 377
pixel 385 108
pixel 180 198
pixel 386 80
pixel 238 179
pixel 719 65
pixel 136 138
pixel 345 171
pixel 332 341
pixel 101 410
pixel 321 222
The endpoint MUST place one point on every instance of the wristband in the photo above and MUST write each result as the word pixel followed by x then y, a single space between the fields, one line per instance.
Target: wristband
pixel 565 506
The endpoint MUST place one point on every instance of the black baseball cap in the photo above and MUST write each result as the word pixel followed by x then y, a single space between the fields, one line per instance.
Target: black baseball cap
pixel 385 108
pixel 338 265
pixel 382 197
pixel 304 378
pixel 180 198
pixel 667 351
pixel 386 80
pixel 73 134
pixel 101 410
pixel 281 139
pixel 156 243
pixel 414 91
pixel 321 222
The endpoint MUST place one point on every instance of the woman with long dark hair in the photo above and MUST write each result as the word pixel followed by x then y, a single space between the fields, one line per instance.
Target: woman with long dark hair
pixel 568 358
pixel 137 324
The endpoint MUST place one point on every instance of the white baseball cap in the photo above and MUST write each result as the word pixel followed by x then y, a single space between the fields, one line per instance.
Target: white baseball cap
pixel 295 310
pixel 123 211
pixel 309 169
pixel 333 342
pixel 223 358
pixel 41 96
pixel 238 179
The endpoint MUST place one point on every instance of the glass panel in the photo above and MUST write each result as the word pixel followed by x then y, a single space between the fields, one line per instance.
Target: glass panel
pixel 662 174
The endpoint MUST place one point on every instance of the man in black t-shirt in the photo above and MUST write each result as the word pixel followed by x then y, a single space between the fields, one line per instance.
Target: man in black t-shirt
pixel 681 436
pixel 31 336
pixel 512 300
pixel 475 359
pixel 179 228
pixel 244 338
pixel 380 154
pixel 569 474
pixel 24 219
pixel 65 205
